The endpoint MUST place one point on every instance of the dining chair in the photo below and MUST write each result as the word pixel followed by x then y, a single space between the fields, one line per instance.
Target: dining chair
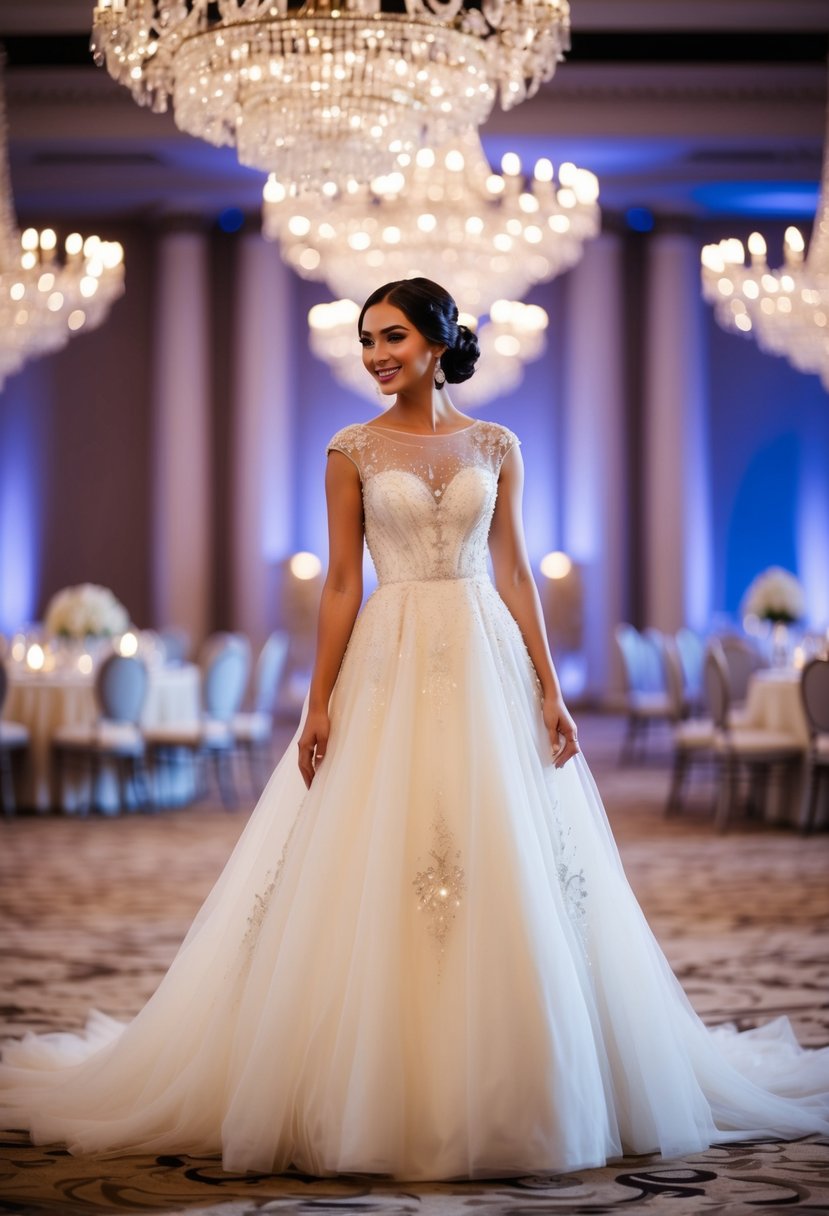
pixel 814 690
pixel 691 649
pixel 762 754
pixel 114 738
pixel 14 743
pixel 253 730
pixel 742 660
pixel 694 739
pixel 176 644
pixel 209 740
pixel 646 695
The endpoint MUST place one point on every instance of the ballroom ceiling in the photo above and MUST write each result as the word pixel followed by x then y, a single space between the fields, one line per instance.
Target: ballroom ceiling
pixel 684 108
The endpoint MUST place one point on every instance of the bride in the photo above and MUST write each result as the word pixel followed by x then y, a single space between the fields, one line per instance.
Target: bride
pixel 422 958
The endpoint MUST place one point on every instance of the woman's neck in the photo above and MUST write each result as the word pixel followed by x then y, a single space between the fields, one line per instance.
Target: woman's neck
pixel 427 414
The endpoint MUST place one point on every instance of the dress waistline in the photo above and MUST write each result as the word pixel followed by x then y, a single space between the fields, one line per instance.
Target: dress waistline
pixel 450 578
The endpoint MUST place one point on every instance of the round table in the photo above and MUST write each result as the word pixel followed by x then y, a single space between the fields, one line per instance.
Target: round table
pixel 773 702
pixel 43 703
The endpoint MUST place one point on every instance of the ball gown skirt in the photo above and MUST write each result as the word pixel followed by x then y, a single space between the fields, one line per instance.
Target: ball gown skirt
pixel 429 965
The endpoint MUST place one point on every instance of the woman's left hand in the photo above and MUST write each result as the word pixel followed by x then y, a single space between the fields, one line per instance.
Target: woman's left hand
pixel 561 728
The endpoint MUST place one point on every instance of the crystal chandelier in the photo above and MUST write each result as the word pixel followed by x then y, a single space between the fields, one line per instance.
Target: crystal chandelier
pixel 447 216
pixel 45 298
pixel 513 334
pixel 787 310
pixel 320 92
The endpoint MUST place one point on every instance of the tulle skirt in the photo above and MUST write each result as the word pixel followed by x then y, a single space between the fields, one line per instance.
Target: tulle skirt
pixel 430 965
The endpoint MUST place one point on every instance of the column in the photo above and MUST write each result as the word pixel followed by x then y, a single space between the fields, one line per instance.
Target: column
pixel 676 520
pixel 262 461
pixel 593 467
pixel 181 436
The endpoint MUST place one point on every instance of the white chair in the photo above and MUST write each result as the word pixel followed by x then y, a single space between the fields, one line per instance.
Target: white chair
pixel 694 739
pixel 646 693
pixel 762 754
pixel 742 659
pixel 115 738
pixel 253 730
pixel 691 650
pixel 14 742
pixel 225 676
pixel 814 689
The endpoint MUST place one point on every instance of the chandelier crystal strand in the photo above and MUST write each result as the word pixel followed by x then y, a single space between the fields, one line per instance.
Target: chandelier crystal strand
pixel 445 215
pixel 512 335
pixel 45 298
pixel 786 310
pixel 322 93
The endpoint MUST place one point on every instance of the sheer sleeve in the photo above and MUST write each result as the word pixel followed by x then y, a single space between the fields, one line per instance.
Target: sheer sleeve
pixel 349 441
pixel 494 441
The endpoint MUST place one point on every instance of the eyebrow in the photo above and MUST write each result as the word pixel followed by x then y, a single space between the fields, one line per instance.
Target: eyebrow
pixel 366 333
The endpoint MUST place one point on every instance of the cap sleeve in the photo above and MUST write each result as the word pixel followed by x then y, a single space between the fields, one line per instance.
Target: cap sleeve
pixel 349 441
pixel 496 441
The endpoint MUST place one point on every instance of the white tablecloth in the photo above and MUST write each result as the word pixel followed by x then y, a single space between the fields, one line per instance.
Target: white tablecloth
pixel 45 702
pixel 773 702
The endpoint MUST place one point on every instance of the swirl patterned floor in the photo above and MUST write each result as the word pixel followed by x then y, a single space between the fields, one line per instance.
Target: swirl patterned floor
pixel 92 912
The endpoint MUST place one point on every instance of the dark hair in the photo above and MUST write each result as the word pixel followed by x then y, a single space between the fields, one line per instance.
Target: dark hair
pixel 434 313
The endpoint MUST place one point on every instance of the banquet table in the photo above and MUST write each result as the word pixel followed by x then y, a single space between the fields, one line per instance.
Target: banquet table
pixel 43 703
pixel 773 702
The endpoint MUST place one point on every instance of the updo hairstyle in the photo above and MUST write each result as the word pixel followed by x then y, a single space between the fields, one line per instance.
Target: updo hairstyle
pixel 434 313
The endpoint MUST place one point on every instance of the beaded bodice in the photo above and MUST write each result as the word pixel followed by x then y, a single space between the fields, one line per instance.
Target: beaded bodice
pixel 428 499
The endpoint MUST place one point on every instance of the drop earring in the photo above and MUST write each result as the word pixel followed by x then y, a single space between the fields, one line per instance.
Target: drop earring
pixel 440 375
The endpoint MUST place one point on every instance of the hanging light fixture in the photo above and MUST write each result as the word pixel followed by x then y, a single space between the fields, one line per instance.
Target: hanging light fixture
pixel 786 310
pixel 446 215
pixel 322 92
pixel 45 297
pixel 512 335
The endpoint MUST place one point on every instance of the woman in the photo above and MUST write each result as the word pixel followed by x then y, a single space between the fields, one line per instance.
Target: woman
pixel 422 958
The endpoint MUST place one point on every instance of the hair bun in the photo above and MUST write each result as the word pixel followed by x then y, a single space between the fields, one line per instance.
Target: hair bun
pixel 458 361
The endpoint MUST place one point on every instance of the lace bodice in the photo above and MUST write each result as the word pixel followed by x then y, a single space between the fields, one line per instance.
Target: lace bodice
pixel 428 499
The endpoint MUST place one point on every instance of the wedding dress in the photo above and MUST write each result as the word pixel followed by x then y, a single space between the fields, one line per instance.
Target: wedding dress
pixel 430 964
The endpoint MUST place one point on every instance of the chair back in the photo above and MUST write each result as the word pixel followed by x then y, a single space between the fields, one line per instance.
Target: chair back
pixel 674 678
pixel 121 688
pixel 814 689
pixel 691 650
pixel 742 660
pixel 225 680
pixel 176 643
pixel 654 676
pixel 715 680
pixel 269 668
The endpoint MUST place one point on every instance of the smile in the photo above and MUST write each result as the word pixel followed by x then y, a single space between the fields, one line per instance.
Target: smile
pixel 386 373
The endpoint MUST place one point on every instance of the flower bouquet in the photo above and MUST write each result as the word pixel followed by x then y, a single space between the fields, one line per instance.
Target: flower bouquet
pixel 775 596
pixel 86 611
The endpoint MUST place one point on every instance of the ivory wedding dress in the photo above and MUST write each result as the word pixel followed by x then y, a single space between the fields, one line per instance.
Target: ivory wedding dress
pixel 430 965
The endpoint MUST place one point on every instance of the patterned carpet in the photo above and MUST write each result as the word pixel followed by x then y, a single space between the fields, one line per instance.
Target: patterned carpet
pixel 92 912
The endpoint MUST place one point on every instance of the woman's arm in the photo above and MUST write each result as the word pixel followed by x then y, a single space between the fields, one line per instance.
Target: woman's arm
pixel 516 586
pixel 342 595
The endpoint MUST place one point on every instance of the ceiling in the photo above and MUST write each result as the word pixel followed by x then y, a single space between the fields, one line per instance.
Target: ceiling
pixel 687 108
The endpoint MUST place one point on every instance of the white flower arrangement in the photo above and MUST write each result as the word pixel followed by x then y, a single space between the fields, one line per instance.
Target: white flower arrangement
pixel 85 611
pixel 775 595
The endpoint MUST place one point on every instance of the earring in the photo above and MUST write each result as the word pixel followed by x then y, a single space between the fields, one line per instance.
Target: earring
pixel 440 375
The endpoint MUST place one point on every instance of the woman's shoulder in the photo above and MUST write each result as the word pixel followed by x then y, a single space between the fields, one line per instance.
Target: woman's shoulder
pixel 495 438
pixel 348 439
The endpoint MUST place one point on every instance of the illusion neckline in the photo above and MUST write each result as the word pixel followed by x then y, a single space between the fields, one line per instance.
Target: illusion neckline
pixel 390 430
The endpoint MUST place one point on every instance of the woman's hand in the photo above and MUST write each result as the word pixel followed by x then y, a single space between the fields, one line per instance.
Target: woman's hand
pixel 313 744
pixel 561 728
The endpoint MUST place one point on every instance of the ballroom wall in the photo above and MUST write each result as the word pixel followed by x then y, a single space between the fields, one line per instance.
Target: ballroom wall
pixel 605 455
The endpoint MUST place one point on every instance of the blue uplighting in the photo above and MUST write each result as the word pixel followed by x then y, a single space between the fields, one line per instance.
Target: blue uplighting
pixel 640 219
pixel 785 199
pixel 231 219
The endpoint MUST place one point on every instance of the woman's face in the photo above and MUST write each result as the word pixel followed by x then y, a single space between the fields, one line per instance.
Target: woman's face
pixel 395 354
